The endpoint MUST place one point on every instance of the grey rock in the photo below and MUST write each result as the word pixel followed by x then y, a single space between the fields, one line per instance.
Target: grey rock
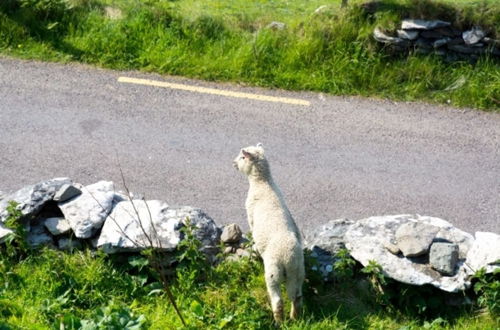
pixel 440 42
pixel 243 253
pixel 206 230
pixel 57 226
pixel 86 213
pixel 418 24
pixel 449 233
pixel 325 242
pixel 67 191
pixel 156 225
pixel 386 39
pixel 484 252
pixel 329 237
pixel 31 199
pixel 231 233
pixel 229 249
pixel 37 236
pixel 4 233
pixel 276 26
pixel 473 35
pixel 126 230
pixel 408 34
pixel 68 244
pixel 443 257
pixel 366 239
pixel 415 238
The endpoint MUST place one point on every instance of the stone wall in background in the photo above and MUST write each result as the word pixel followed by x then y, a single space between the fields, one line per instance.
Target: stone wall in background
pixel 440 38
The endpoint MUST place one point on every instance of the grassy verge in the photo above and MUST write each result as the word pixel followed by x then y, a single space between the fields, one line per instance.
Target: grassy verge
pixel 85 289
pixel 227 40
pixel 52 290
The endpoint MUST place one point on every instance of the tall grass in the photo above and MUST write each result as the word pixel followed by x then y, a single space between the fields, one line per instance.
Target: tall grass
pixel 331 51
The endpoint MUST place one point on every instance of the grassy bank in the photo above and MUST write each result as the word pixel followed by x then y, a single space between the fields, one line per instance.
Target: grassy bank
pixel 227 40
pixel 87 290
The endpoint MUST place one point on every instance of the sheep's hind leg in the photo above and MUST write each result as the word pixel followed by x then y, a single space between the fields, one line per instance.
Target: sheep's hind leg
pixel 273 277
pixel 294 283
pixel 294 292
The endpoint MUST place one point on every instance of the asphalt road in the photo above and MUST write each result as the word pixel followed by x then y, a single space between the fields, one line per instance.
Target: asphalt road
pixel 338 157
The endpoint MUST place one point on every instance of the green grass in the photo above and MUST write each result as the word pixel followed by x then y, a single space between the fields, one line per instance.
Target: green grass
pixel 227 40
pixel 55 290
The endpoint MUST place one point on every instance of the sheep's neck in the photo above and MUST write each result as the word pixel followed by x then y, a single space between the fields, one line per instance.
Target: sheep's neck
pixel 259 183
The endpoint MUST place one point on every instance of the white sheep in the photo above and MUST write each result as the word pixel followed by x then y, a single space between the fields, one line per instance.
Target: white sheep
pixel 275 233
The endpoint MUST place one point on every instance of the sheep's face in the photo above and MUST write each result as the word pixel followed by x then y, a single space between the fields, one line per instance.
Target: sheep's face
pixel 248 158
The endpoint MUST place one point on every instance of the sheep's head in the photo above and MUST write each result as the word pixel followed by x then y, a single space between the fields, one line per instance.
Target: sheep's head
pixel 251 161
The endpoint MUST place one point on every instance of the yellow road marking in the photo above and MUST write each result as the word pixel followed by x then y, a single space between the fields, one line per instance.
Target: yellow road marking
pixel 214 91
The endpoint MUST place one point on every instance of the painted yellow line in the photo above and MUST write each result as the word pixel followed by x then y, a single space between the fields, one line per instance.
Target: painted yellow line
pixel 213 91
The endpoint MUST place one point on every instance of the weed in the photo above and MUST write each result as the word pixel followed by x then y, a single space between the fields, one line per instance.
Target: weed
pixel 15 244
pixel 487 287
pixel 344 265
pixel 377 280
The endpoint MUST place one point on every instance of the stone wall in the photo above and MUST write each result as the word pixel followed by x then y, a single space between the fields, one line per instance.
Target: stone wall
pixel 412 249
pixel 439 38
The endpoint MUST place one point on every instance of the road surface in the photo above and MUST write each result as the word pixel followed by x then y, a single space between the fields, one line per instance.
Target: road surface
pixel 333 157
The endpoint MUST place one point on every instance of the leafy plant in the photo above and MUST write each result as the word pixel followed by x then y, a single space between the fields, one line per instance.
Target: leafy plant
pixel 377 280
pixel 487 288
pixel 344 265
pixel 112 316
pixel 15 243
pixel 192 263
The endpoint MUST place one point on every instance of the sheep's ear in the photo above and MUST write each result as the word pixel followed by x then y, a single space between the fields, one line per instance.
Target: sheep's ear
pixel 247 154
pixel 261 147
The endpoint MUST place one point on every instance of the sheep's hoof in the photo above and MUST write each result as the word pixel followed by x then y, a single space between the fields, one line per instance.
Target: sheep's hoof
pixel 278 315
pixel 295 311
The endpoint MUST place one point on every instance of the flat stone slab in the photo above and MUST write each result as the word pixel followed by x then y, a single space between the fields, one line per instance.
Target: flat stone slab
pixel 86 213
pixel 57 226
pixel 366 240
pixel 67 191
pixel 415 238
pixel 155 224
pixel 386 39
pixel 419 24
pixel 31 199
pixel 408 34
pixel 485 252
